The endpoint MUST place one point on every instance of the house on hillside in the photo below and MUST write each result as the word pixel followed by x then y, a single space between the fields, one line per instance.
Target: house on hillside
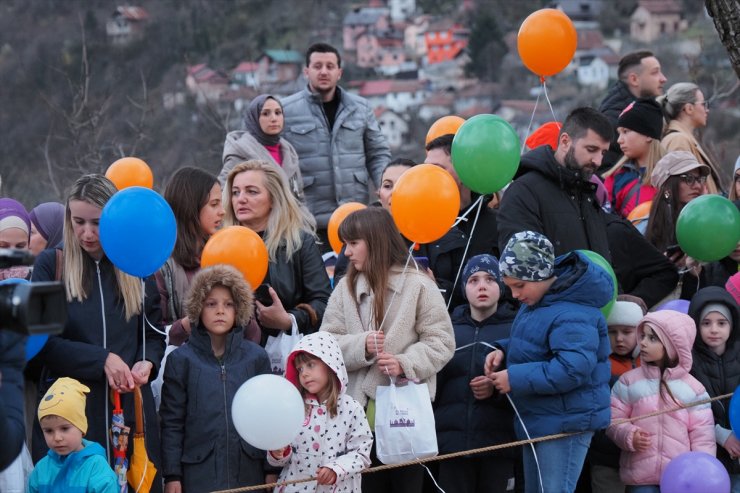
pixel 579 10
pixel 246 74
pixel 445 40
pixel 363 20
pixel 413 36
pixel 398 95
pixel 126 24
pixel 437 105
pixel 478 98
pixel 401 10
pixel 276 66
pixel 653 19
pixel 205 83
pixel 392 126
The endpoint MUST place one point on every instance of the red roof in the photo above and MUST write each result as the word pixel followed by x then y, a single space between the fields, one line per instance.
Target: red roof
pixel 387 86
pixel 132 13
pixel 245 67
pixel 589 39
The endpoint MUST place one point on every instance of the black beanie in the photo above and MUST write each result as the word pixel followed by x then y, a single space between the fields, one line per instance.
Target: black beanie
pixel 644 116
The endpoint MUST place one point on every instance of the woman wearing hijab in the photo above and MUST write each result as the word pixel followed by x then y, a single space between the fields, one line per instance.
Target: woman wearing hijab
pixel 261 141
pixel 47 226
pixel 15 230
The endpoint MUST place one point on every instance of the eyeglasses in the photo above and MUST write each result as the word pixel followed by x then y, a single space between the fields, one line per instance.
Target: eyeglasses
pixel 703 103
pixel 691 179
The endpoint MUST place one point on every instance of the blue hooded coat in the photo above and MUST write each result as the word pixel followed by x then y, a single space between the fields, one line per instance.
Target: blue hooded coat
pixel 557 354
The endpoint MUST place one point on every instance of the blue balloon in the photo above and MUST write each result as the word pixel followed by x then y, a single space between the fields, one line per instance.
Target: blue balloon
pixel 734 412
pixel 34 343
pixel 695 472
pixel 137 231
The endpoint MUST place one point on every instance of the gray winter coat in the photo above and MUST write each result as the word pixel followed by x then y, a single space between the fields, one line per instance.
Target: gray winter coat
pixel 241 146
pixel 335 162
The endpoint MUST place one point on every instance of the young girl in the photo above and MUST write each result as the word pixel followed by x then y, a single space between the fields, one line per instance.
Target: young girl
pixel 389 323
pixel 201 450
pixel 717 365
pixel 662 382
pixel 335 442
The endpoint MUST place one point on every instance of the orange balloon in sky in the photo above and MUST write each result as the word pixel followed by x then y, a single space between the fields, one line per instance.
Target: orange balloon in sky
pixel 425 203
pixel 640 213
pixel 443 126
pixel 130 172
pixel 332 229
pixel 241 248
pixel 547 41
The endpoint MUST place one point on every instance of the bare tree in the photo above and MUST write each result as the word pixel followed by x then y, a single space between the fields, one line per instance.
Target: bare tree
pixel 726 17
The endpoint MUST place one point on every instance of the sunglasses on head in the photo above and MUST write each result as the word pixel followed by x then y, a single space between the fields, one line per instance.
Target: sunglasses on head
pixel 691 179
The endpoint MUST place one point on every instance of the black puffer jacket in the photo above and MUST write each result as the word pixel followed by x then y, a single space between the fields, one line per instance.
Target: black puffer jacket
pixel 553 200
pixel 615 101
pixel 95 328
pixel 200 445
pixel 464 422
pixel 12 351
pixel 302 279
pixel 717 273
pixel 719 374
pixel 640 268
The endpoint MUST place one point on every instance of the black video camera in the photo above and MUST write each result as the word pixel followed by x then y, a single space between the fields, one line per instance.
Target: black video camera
pixel 30 308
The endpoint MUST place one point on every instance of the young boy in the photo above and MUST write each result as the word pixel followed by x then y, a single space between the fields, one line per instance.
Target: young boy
pixel 72 463
pixel 466 413
pixel 603 455
pixel 557 370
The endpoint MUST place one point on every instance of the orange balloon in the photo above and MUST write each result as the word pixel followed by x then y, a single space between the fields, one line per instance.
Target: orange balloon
pixel 336 219
pixel 547 41
pixel 239 247
pixel 425 203
pixel 640 213
pixel 443 126
pixel 130 172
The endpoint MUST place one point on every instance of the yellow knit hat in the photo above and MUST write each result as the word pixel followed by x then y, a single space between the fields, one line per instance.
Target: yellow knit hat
pixel 66 398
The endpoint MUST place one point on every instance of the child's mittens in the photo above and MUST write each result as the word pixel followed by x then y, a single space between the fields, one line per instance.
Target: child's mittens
pixel 325 475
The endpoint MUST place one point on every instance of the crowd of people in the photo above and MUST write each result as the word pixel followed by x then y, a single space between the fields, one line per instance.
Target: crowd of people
pixel 519 346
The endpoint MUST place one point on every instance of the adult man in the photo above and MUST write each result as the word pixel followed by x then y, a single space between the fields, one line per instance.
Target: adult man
pixel 639 76
pixel 552 193
pixel 482 239
pixel 336 135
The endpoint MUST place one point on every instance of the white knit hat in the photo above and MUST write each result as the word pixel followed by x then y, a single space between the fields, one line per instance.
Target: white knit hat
pixel 625 313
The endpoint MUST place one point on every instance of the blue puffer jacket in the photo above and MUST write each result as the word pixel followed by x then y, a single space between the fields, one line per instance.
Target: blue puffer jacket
pixel 464 422
pixel 557 355
pixel 85 471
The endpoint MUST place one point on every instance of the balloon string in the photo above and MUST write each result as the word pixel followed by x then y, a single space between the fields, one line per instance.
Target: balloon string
pixel 531 120
pixel 464 217
pixel 405 268
pixel 467 245
pixel 547 98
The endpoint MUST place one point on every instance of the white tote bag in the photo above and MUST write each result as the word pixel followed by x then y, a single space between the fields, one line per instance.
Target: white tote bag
pixel 404 423
pixel 14 478
pixel 279 348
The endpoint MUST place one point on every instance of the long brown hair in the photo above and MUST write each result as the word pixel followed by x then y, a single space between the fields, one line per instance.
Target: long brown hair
pixel 335 387
pixel 661 227
pixel 385 249
pixel 187 192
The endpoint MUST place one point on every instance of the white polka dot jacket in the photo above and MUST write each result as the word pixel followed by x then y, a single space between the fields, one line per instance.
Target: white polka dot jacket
pixel 341 443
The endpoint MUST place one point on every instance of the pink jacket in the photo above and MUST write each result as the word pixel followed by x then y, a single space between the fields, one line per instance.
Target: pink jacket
pixel 638 392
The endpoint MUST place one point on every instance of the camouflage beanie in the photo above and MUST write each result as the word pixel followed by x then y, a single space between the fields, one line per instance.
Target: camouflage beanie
pixel 528 256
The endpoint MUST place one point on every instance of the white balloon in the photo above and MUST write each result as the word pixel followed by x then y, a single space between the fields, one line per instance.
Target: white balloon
pixel 268 412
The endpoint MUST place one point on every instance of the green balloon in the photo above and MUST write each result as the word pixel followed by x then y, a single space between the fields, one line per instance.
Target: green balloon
pixel 485 153
pixel 601 262
pixel 708 228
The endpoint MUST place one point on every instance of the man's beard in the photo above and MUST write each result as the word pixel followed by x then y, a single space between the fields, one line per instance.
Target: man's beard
pixel 585 172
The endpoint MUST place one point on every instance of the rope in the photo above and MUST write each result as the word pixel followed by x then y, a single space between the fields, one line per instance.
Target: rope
pixel 491 448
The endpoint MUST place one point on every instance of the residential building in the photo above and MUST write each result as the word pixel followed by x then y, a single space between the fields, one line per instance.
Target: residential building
pixel 653 19
pixel 445 40
pixel 276 66
pixel 126 25
pixel 398 95
pixel 393 126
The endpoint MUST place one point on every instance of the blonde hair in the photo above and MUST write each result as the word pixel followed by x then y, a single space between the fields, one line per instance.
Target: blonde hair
pixel 96 190
pixel 654 153
pixel 675 98
pixel 335 387
pixel 288 218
